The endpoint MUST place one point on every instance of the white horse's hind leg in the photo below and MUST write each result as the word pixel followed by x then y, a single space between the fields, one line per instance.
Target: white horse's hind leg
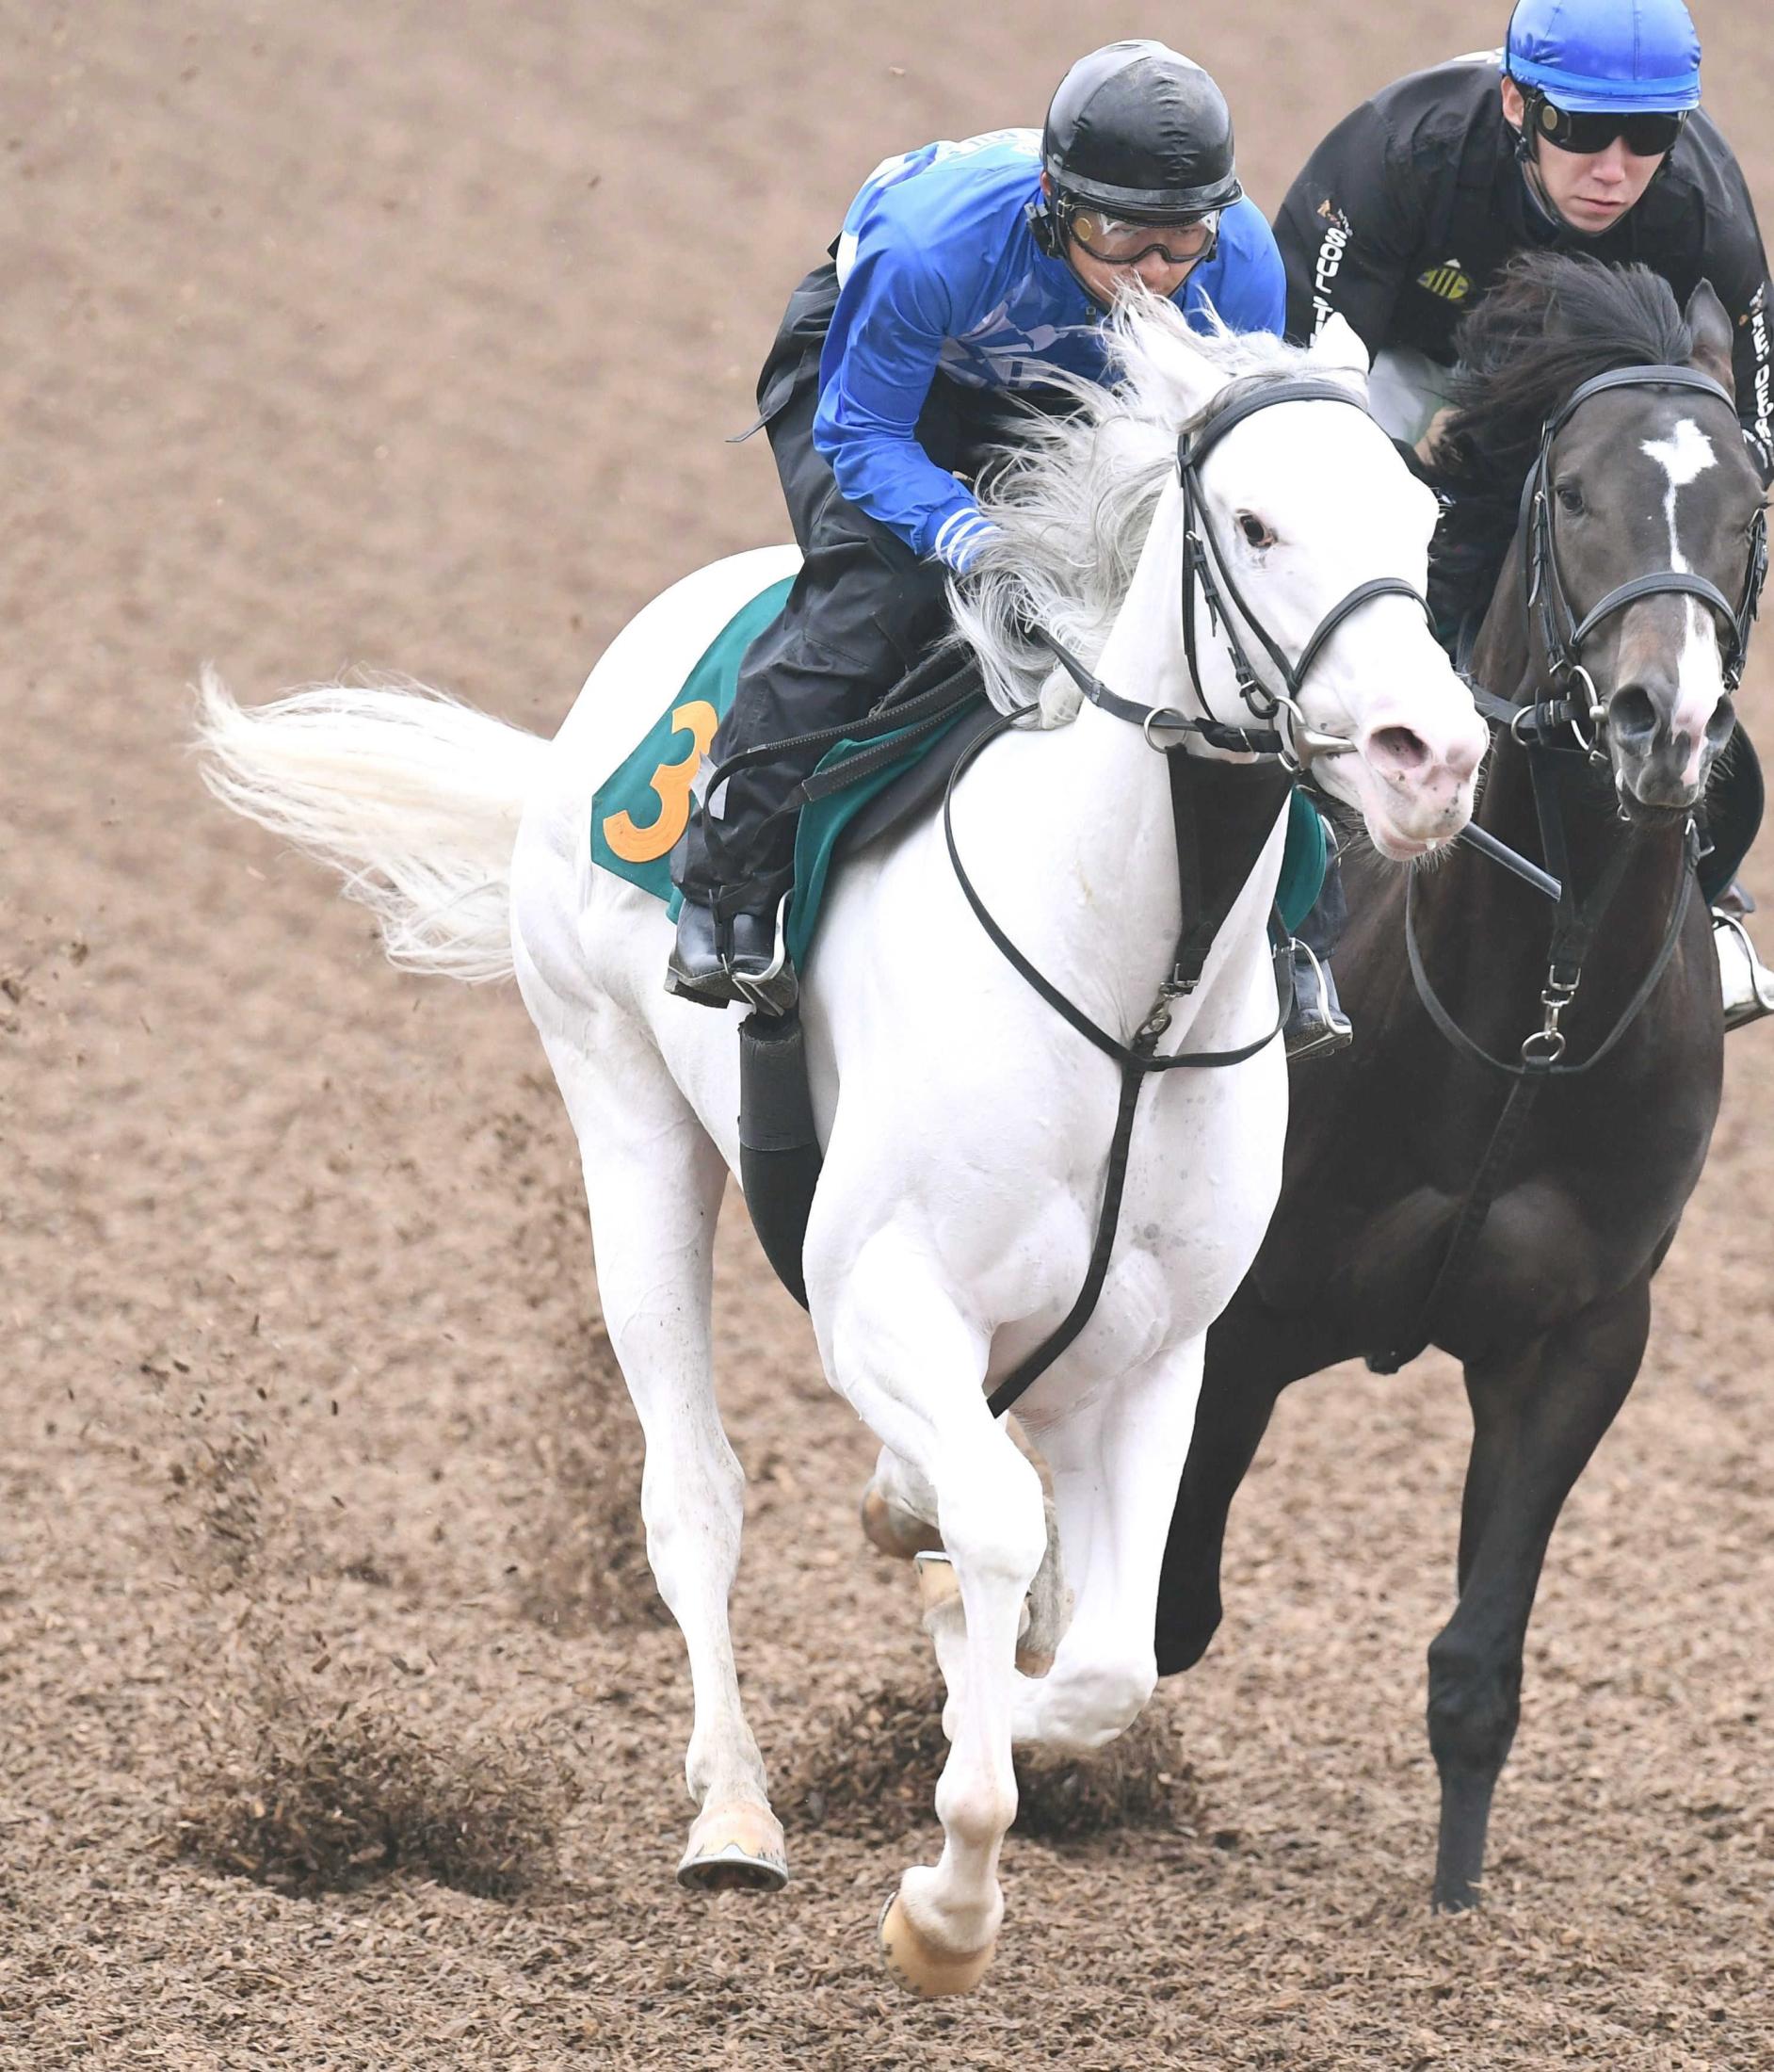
pixel 899 1520
pixel 1116 1463
pixel 899 1510
pixel 654 1182
pixel 911 1365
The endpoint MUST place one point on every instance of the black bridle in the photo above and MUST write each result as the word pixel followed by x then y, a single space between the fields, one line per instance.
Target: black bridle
pixel 1540 727
pixel 1206 567
pixel 1545 600
pixel 1207 574
pixel 1210 878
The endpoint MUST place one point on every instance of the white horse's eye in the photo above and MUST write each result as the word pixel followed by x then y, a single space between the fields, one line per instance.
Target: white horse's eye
pixel 1256 533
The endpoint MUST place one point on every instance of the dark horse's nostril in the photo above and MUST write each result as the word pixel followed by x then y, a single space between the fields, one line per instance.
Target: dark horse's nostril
pixel 1398 750
pixel 1632 719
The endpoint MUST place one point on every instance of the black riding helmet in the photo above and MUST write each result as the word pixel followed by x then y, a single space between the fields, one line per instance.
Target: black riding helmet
pixel 1140 131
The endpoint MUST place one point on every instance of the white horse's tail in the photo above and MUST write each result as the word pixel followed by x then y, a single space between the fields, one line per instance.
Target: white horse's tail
pixel 414 797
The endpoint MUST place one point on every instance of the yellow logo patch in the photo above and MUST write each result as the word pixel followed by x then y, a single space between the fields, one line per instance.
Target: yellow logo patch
pixel 1449 280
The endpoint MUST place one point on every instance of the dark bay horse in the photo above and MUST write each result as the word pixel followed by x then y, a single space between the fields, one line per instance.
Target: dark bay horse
pixel 1548 1307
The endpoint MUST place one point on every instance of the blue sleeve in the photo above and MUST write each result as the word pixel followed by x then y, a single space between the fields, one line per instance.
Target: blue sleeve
pixel 1246 283
pixel 880 356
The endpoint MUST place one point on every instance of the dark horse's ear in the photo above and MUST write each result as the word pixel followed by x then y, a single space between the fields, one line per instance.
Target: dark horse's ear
pixel 1705 318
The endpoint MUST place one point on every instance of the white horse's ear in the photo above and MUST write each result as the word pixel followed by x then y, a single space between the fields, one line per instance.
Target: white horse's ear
pixel 1193 377
pixel 1339 346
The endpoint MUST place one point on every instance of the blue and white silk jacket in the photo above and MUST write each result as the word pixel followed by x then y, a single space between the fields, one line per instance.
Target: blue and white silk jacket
pixel 938 270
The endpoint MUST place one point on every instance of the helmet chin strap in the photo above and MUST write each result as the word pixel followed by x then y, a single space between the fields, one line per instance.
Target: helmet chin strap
pixel 1050 241
pixel 1527 158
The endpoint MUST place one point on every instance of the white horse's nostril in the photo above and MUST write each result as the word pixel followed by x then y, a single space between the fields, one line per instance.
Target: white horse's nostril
pixel 1397 751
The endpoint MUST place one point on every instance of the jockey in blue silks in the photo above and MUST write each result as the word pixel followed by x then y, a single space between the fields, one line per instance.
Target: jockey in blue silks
pixel 1585 134
pixel 966 275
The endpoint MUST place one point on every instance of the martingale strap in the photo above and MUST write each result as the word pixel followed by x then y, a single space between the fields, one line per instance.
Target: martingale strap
pixel 1211 875
pixel 1229 879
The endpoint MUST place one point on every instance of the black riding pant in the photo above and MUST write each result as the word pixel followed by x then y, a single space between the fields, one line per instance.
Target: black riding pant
pixel 862 609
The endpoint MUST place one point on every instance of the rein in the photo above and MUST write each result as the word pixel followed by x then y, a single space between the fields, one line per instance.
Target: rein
pixel 1545 728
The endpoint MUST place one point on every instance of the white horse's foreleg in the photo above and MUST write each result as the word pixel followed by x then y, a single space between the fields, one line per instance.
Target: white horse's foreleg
pixel 911 1365
pixel 1116 1463
pixel 653 1181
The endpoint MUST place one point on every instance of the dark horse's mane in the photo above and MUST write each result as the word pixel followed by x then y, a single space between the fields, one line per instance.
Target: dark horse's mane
pixel 1551 322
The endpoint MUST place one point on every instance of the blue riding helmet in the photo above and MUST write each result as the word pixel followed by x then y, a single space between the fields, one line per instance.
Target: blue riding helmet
pixel 1606 57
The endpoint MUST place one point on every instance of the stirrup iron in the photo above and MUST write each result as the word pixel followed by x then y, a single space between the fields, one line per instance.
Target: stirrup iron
pixel 1744 980
pixel 1316 1025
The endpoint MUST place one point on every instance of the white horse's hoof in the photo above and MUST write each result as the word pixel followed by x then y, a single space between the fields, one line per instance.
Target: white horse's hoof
pixel 919 1966
pixel 938 1585
pixel 895 1531
pixel 736 1848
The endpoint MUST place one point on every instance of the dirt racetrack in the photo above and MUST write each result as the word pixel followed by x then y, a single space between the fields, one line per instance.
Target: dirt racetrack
pixel 336 1729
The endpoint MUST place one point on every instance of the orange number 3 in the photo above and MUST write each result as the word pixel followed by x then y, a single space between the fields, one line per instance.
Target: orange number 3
pixel 670 785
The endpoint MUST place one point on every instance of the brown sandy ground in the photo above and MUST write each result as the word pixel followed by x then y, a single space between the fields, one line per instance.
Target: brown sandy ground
pixel 408 335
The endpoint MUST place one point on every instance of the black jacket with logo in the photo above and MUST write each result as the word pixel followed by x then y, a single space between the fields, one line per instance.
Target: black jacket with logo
pixel 1409 209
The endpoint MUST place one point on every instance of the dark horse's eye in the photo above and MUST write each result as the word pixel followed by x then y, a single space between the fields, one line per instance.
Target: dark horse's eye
pixel 1255 532
pixel 1570 498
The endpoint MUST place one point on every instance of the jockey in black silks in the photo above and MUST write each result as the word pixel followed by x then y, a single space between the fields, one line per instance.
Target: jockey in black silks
pixel 1584 133
pixel 966 275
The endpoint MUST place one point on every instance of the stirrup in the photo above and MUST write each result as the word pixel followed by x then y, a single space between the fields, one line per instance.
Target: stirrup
pixel 1745 981
pixel 775 989
pixel 1316 1025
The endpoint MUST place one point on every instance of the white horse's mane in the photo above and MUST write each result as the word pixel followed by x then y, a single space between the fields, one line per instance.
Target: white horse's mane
pixel 1072 503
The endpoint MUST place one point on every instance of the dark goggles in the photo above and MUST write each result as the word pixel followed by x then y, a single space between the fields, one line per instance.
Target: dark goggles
pixel 1122 241
pixel 1649 134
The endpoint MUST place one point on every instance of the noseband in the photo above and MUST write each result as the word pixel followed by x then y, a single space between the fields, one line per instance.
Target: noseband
pixel 1546 600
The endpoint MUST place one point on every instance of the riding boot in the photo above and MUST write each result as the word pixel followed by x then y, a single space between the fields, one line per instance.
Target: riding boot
pixel 1316 1023
pixel 743 957
pixel 1747 982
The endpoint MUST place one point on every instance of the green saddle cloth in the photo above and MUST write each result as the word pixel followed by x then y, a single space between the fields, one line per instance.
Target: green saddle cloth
pixel 642 809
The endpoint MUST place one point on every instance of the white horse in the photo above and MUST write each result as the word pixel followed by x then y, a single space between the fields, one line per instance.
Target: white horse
pixel 964 1126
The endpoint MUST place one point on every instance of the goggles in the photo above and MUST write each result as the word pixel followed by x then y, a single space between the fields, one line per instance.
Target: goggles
pixel 1120 241
pixel 1648 135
